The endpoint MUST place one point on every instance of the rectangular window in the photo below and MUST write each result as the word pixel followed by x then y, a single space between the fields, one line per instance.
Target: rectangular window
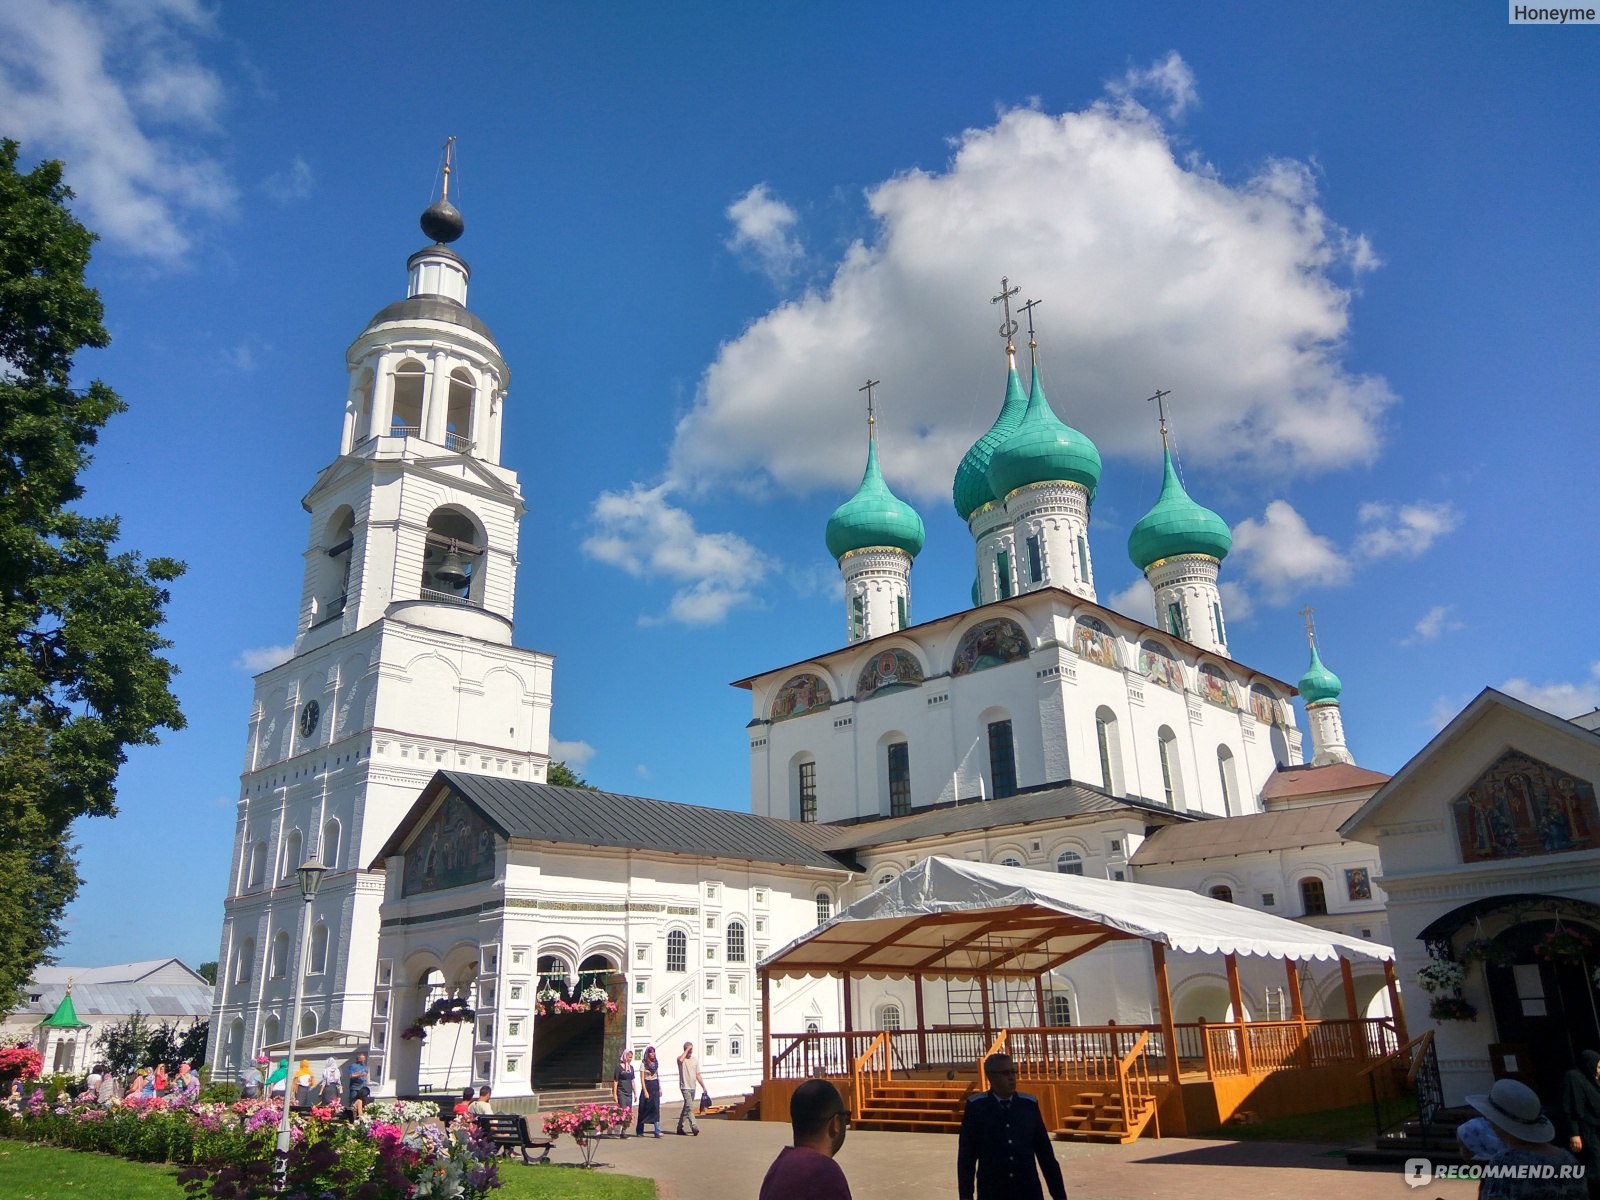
pixel 1083 559
pixel 733 985
pixel 899 779
pixel 638 987
pixel 900 604
pixel 1222 634
pixel 1268 900
pixel 858 617
pixel 808 791
pixel 1002 759
pixel 1002 568
pixel 735 1047
pixel 1035 560
pixel 1175 620
pixel 514 1029
pixel 1102 735
pixel 1166 769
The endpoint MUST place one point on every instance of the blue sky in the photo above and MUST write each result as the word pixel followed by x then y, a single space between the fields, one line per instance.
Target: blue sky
pixel 1357 242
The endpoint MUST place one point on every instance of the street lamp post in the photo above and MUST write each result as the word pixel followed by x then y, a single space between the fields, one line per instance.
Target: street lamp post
pixel 310 873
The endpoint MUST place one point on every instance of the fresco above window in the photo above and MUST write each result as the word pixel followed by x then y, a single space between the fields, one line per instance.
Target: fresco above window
pixel 1095 643
pixel 1218 688
pixel 989 644
pixel 455 848
pixel 801 695
pixel 889 671
pixel 1522 807
pixel 1264 706
pixel 1158 666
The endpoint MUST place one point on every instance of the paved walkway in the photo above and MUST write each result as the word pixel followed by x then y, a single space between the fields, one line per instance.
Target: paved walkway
pixel 728 1160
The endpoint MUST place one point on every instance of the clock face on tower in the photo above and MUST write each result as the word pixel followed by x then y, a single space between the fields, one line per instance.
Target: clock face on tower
pixel 309 716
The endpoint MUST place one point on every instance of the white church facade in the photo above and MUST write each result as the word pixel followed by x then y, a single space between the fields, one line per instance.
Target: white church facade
pixel 406 745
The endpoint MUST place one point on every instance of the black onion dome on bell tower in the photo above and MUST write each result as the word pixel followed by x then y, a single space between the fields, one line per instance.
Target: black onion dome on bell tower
pixel 442 221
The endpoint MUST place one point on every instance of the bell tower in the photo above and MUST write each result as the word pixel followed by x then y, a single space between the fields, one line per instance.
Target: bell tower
pixel 403 659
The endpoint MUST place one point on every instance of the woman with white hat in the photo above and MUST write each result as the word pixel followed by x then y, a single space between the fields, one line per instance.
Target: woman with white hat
pixel 1514 1110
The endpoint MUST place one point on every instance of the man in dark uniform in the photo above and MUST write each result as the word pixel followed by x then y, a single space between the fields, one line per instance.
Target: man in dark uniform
pixel 1002 1134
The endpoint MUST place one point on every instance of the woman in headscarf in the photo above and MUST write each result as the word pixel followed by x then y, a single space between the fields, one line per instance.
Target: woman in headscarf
pixel 622 1089
pixel 1580 1111
pixel 304 1086
pixel 649 1092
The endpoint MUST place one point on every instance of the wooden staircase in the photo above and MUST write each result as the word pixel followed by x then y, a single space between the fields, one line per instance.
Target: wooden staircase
pixel 1097 1116
pixel 913 1105
pixel 746 1108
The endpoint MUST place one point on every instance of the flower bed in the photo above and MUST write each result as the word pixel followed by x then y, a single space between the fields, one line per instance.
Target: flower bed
pixel 228 1148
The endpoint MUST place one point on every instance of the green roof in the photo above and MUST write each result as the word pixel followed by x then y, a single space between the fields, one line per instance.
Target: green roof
pixel 874 516
pixel 972 491
pixel 65 1016
pixel 1177 525
pixel 1318 683
pixel 1043 449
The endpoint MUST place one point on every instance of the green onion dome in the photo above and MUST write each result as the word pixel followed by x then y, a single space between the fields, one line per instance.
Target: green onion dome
pixel 977 594
pixel 1043 449
pixel 1177 525
pixel 874 516
pixel 1319 683
pixel 971 491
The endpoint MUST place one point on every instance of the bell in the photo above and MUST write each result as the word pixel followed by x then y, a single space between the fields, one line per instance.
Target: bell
pixel 452 572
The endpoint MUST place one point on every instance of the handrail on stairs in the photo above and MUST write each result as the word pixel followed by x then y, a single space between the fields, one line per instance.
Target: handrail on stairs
pixel 1133 1083
pixel 1419 1044
pixel 868 1069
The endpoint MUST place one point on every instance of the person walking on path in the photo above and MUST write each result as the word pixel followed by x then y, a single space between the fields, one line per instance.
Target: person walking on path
pixel 1514 1110
pixel 807 1170
pixel 1580 1111
pixel 649 1092
pixel 1002 1135
pixel 622 1088
pixel 690 1082
pixel 358 1076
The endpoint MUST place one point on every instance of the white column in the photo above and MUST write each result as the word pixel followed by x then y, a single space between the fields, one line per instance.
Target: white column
pixel 436 406
pixel 382 395
pixel 352 406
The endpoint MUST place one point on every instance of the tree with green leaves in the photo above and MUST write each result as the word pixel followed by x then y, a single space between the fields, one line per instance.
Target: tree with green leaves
pixel 82 677
pixel 208 972
pixel 558 774
pixel 125 1045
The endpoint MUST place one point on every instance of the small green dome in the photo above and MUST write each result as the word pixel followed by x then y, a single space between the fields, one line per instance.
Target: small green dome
pixel 1043 450
pixel 874 516
pixel 1177 525
pixel 971 491
pixel 1318 683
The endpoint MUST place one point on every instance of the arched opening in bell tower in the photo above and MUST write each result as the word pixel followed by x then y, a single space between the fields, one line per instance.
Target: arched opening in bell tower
pixel 331 589
pixel 459 414
pixel 410 377
pixel 453 558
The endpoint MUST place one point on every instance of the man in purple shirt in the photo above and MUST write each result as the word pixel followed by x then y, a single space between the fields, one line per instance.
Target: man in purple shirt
pixel 806 1170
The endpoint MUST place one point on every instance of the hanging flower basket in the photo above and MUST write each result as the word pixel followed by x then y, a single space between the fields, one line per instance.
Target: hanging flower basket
pixel 1564 945
pixel 1487 951
pixel 1452 1008
pixel 1441 975
pixel 453 1010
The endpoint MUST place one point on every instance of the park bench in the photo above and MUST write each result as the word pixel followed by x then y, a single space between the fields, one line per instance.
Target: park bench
pixel 509 1131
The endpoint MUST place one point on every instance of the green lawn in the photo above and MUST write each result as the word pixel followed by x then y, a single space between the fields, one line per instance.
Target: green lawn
pixel 45 1173
pixel 1338 1126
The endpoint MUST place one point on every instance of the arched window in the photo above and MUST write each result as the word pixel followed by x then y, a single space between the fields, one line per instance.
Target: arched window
pixel 813 1027
pixel 1313 899
pixel 452 558
pixel 244 962
pixel 308 1023
pixel 806 791
pixel 318 962
pixel 886 879
pixel 271 1031
pixel 1222 892
pixel 334 588
pixel 458 416
pixel 899 764
pixel 406 412
pixel 1058 1009
pixel 292 857
pixel 824 908
pixel 889 1017
pixel 1171 768
pixel 1069 862
pixel 236 1041
pixel 330 844
pixel 258 865
pixel 1011 860
pixel 1228 775
pixel 280 955
pixel 677 951
pixel 1110 746
pixel 736 947
pixel 1002 759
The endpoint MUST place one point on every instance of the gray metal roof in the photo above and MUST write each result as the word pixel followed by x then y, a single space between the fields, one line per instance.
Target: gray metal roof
pixel 433 308
pixel 164 1000
pixel 1044 804
pixel 584 817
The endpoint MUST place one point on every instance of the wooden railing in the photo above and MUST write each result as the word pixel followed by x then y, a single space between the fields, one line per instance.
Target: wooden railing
pixel 869 1069
pixel 1092 1052
pixel 1133 1083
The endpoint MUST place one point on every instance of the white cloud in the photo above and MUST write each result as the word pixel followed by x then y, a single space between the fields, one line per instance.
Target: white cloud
pixel 1281 555
pixel 294 182
pixel 1408 530
pixel 1168 78
pixel 118 92
pixel 1135 600
pixel 1444 711
pixel 1150 269
pixel 262 658
pixel 1562 698
pixel 574 754
pixel 1437 620
pixel 642 532
pixel 642 771
pixel 240 357
pixel 761 233
pixel 1237 601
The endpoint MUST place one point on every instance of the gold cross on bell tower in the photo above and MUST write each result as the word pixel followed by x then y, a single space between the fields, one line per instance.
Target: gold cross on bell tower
pixel 1008 327
pixel 872 412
